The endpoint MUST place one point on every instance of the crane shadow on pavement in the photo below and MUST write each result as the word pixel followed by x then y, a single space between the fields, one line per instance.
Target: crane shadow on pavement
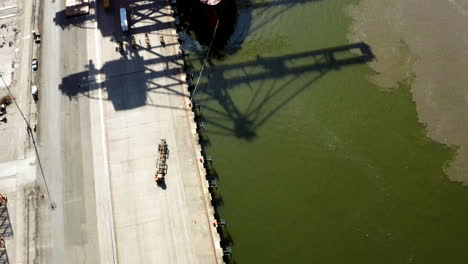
pixel 64 22
pixel 128 80
pixel 4 256
pixel 6 229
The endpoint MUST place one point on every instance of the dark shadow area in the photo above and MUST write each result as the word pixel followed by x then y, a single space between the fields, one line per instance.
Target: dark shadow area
pixel 217 201
pixel 129 79
pixel 81 21
pixel 140 11
pixel 204 140
pixel 150 28
pixel 147 12
pixel 65 22
pixel 162 185
pixel 201 20
pixel 235 19
pixel 6 229
pixel 126 81
pixel 221 227
pixel 212 174
pixel 4 256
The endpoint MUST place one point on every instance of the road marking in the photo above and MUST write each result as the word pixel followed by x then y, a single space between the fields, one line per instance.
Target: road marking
pixel 25 37
pixel 103 135
pixel 7 16
pixel 8 7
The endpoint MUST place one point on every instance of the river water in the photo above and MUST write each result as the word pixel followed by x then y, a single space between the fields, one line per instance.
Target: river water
pixel 317 164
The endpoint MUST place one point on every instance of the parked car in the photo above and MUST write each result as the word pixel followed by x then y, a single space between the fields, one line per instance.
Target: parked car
pixel 35 64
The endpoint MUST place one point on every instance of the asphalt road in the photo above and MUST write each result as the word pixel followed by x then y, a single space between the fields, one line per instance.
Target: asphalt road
pixel 70 231
pixel 102 115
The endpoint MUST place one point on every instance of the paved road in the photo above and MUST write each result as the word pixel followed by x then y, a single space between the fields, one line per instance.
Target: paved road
pixel 102 114
pixel 70 232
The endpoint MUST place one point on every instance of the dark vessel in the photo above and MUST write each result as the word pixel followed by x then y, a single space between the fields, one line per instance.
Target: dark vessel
pixel 203 18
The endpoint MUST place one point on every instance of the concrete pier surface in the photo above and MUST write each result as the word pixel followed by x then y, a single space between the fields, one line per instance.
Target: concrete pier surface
pixel 102 114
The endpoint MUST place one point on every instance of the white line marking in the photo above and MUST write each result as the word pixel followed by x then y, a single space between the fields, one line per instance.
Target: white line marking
pixel 8 7
pixel 103 136
pixel 7 16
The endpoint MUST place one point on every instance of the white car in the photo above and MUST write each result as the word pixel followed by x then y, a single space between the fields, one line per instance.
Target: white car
pixel 35 64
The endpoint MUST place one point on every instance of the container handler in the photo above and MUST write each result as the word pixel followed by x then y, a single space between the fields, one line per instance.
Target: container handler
pixel 161 166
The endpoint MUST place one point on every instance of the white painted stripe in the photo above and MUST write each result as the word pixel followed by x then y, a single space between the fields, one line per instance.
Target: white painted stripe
pixel 8 7
pixel 7 169
pixel 7 16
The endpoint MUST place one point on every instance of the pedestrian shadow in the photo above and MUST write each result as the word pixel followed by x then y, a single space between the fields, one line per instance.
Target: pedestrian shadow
pixel 162 185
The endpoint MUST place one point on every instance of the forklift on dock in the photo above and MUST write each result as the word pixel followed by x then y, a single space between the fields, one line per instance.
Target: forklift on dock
pixel 161 166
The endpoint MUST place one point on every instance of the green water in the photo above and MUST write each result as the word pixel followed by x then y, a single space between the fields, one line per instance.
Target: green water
pixel 315 163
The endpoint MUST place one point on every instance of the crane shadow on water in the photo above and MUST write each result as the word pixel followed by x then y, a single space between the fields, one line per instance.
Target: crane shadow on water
pixel 221 109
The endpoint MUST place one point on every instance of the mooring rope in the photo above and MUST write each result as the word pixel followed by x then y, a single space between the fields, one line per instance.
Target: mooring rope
pixel 204 59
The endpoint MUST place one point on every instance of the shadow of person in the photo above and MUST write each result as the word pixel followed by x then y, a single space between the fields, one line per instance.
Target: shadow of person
pixel 162 185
